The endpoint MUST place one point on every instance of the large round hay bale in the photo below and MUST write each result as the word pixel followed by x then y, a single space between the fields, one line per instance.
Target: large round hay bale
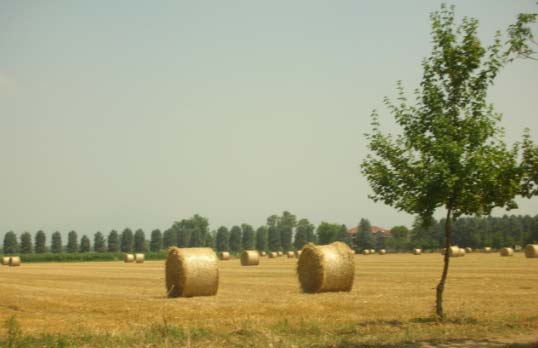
pixel 507 252
pixel 468 250
pixel 14 261
pixel 263 253
pixel 487 249
pixel 366 252
pixel 224 255
pixel 279 253
pixel 454 251
pixel 297 253
pixel 128 258
pixel 5 260
pixel 382 251
pixel 191 272
pixel 462 252
pixel 290 254
pixel 250 258
pixel 323 268
pixel 531 250
pixel 139 258
pixel 417 251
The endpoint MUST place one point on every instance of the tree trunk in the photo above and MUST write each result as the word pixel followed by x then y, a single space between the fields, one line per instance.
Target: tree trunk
pixel 441 285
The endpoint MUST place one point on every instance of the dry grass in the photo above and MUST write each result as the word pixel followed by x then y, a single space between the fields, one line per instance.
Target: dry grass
pixel 263 306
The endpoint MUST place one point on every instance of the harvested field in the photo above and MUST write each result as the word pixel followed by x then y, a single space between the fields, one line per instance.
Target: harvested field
pixel 390 303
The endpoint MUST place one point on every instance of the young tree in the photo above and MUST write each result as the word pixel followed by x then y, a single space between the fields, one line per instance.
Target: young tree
pixel 261 238
pixel 364 238
pixel 113 242
pixel 156 242
pixel 56 243
pixel 248 237
pixel 72 242
pixel 302 231
pixel 99 242
pixel 10 243
pixel 449 152
pixel 85 246
pixel 235 239
pixel 273 234
pixel 139 241
pixel 210 240
pixel 285 226
pixel 223 238
pixel 169 238
pixel 126 241
pixel 40 246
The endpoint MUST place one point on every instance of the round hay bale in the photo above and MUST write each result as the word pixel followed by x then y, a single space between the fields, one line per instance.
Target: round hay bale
pixel 272 254
pixel 5 260
pixel 417 251
pixel 128 258
pixel 279 253
pixel 531 250
pixel 366 252
pixel 454 251
pixel 462 252
pixel 290 254
pixel 468 250
pixel 191 272
pixel 507 252
pixel 382 251
pixel 14 261
pixel 372 251
pixel 263 253
pixel 224 255
pixel 139 258
pixel 250 258
pixel 297 253
pixel 487 249
pixel 323 268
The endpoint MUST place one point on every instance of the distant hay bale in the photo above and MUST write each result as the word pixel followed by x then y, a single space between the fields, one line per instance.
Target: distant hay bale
pixel 128 258
pixel 462 252
pixel 263 253
pixel 5 260
pixel 191 272
pixel 454 251
pixel 507 252
pixel 531 250
pixel 372 251
pixel 139 258
pixel 366 252
pixel 224 255
pixel 443 251
pixel 272 254
pixel 382 251
pixel 279 253
pixel 323 268
pixel 290 254
pixel 14 261
pixel 250 258
pixel 468 250
pixel 417 251
pixel 297 253
pixel 487 249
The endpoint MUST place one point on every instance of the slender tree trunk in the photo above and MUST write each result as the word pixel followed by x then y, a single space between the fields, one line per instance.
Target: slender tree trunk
pixel 441 285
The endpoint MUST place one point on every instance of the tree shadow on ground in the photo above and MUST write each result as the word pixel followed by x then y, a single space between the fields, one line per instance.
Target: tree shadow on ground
pixel 455 343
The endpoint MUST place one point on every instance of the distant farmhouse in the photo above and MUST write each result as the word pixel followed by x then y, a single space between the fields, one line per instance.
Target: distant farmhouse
pixel 376 231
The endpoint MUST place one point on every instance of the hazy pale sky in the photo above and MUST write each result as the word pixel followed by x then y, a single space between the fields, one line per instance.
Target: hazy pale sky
pixel 140 113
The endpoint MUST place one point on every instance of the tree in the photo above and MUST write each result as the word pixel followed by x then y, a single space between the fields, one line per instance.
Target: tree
pixel 302 232
pixel 223 238
pixel 139 241
pixel 327 232
pixel 85 246
pixel 248 237
pixel 235 239
pixel 273 234
pixel 56 243
pixel 10 243
pixel 72 242
pixel 261 238
pixel 40 246
pixel 26 243
pixel 113 242
pixel 521 39
pixel 99 242
pixel 169 238
pixel 126 241
pixel 210 240
pixel 364 238
pixel 156 242
pixel 400 237
pixel 449 153
pixel 341 235
pixel 285 226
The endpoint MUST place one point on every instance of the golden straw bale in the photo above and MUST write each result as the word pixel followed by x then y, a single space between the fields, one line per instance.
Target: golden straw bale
pixel 263 253
pixel 128 258
pixel 250 258
pixel 279 253
pixel 5 260
pixel 531 250
pixel 224 255
pixel 507 252
pixel 324 268
pixel 366 252
pixel 372 251
pixel 382 251
pixel 14 261
pixel 290 254
pixel 297 253
pixel 139 258
pixel 443 251
pixel 468 250
pixel 191 272
pixel 272 254
pixel 454 251
pixel 487 249
pixel 462 252
pixel 417 251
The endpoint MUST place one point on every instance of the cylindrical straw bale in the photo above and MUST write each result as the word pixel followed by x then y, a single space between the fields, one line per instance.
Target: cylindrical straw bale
pixel 5 260
pixel 531 250
pixel 324 268
pixel 279 253
pixel 468 250
pixel 372 251
pixel 417 251
pixel 297 253
pixel 462 252
pixel 224 255
pixel 487 249
pixel 191 272
pixel 128 258
pixel 443 251
pixel 382 251
pixel 454 251
pixel 272 254
pixel 263 253
pixel 139 258
pixel 14 261
pixel 250 258
pixel 366 252
pixel 507 252
pixel 290 254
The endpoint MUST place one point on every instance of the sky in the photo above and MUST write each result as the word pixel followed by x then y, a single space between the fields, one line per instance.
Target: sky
pixel 138 114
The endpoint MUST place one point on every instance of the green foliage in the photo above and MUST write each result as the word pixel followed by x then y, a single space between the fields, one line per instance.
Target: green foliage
pixel 113 242
pixel 26 243
pixel 223 237
pixel 56 243
pixel 286 224
pixel 72 242
pixel 139 241
pixel 126 241
pixel 327 232
pixel 343 236
pixel 85 246
pixel 261 238
pixel 399 240
pixel 40 242
pixel 13 332
pixel 248 237
pixel 156 242
pixel 99 242
pixel 235 239
pixel 273 233
pixel 364 238
pixel 303 231
pixel 210 240
pixel 169 238
pixel 10 243
pixel 426 236
pixel 521 43
pixel 191 232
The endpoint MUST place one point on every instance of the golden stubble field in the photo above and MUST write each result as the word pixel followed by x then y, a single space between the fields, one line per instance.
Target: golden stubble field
pixel 487 297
